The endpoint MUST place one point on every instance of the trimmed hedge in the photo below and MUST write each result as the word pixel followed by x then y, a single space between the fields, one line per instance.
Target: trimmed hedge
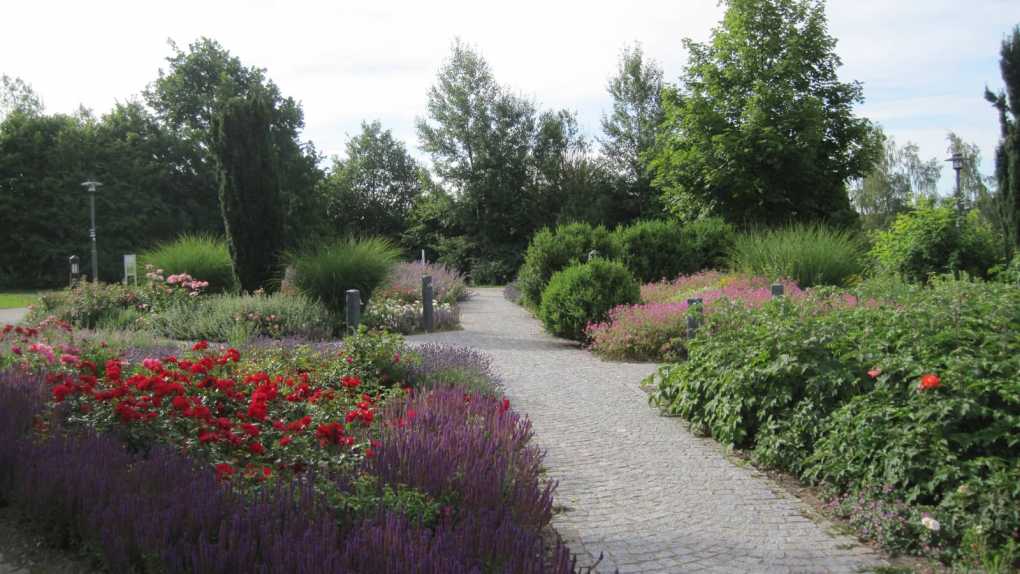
pixel 584 293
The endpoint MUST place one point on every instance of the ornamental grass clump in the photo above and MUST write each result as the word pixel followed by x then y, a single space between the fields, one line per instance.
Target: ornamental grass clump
pixel 808 254
pixel 200 256
pixel 326 272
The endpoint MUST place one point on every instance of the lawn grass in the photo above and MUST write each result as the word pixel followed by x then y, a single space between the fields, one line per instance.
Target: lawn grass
pixel 14 299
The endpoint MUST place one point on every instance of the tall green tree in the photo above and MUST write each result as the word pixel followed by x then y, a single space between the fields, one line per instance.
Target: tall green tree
pixel 1007 154
pixel 373 189
pixel 249 185
pixel 761 130
pixel 202 79
pixel 500 159
pixel 898 180
pixel 630 129
pixel 18 96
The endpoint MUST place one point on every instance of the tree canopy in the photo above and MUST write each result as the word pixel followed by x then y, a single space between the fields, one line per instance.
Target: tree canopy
pixel 760 129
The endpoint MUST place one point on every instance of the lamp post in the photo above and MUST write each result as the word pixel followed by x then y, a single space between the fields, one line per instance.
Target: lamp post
pixel 957 160
pixel 91 185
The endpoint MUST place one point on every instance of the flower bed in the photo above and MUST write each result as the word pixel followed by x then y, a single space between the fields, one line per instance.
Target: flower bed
pixel 397 306
pixel 905 410
pixel 282 459
pixel 656 329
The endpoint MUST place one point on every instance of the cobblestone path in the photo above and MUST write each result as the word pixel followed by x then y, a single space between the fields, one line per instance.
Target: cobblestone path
pixel 635 487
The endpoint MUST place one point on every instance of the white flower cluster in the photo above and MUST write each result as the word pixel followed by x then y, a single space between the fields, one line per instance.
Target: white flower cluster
pixel 391 314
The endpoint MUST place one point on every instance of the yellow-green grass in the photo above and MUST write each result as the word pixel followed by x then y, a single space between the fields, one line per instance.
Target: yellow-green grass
pixel 15 299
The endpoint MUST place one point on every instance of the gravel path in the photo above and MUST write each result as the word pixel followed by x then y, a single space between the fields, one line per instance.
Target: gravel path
pixel 12 316
pixel 637 488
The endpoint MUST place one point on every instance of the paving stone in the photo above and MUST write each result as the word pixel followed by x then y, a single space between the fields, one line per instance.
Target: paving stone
pixel 638 487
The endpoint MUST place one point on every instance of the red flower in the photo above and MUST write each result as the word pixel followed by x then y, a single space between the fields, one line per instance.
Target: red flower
pixel 285 440
pixel 874 373
pixel 224 470
pixel 350 382
pixel 256 448
pixel 200 346
pixel 929 382
pixel 61 391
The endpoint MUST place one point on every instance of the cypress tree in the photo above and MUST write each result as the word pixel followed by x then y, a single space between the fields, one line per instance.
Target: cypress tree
pixel 249 186
pixel 1007 154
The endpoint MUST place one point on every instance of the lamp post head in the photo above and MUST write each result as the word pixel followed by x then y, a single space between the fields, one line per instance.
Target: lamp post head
pixel 957 160
pixel 91 185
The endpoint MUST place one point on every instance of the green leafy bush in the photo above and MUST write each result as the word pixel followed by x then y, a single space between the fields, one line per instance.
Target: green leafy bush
pixel 237 318
pixel 87 304
pixel 708 241
pixel 809 254
pixel 654 249
pixel 914 396
pixel 203 257
pixel 584 293
pixel 326 272
pixel 554 249
pixel 927 241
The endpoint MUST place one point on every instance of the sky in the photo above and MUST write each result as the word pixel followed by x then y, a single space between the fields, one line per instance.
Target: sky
pixel 924 64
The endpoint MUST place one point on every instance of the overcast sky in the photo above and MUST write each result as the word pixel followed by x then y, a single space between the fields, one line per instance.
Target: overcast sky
pixel 924 63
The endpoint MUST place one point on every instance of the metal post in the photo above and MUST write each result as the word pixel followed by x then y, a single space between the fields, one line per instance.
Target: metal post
pixel 353 310
pixel 428 317
pixel 777 290
pixel 695 314
pixel 91 185
pixel 75 269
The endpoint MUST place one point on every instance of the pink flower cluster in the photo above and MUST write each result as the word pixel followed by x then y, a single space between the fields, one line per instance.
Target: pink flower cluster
pixel 646 330
pixel 665 291
pixel 188 282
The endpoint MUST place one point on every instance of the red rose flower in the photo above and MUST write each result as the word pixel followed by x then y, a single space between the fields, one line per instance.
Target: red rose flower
pixel 929 382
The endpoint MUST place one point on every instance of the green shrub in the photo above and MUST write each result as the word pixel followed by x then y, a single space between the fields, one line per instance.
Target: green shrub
pixel 808 254
pixel 829 387
pixel 87 305
pixel 654 250
pixel 236 318
pixel 551 250
pixel 584 293
pixel 203 257
pixel 326 272
pixel 926 241
pixel 709 242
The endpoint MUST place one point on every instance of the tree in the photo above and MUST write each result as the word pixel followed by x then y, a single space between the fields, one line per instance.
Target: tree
pixel 898 180
pixel 373 189
pixel 17 96
pixel 200 81
pixel 249 185
pixel 500 159
pixel 630 129
pixel 1007 154
pixel 760 129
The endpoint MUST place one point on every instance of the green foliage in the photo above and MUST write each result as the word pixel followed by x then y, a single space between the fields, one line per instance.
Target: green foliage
pixel 808 254
pixel 238 318
pixel 1007 154
pixel 584 293
pixel 325 272
pixel 658 249
pixel 551 250
pixel 829 388
pixel 653 250
pixel 630 129
pixel 927 240
pixel 898 179
pixel 88 304
pixel 202 256
pixel 154 188
pixel 761 129
pixel 502 159
pixel 249 187
pixel 371 191
pixel 199 83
